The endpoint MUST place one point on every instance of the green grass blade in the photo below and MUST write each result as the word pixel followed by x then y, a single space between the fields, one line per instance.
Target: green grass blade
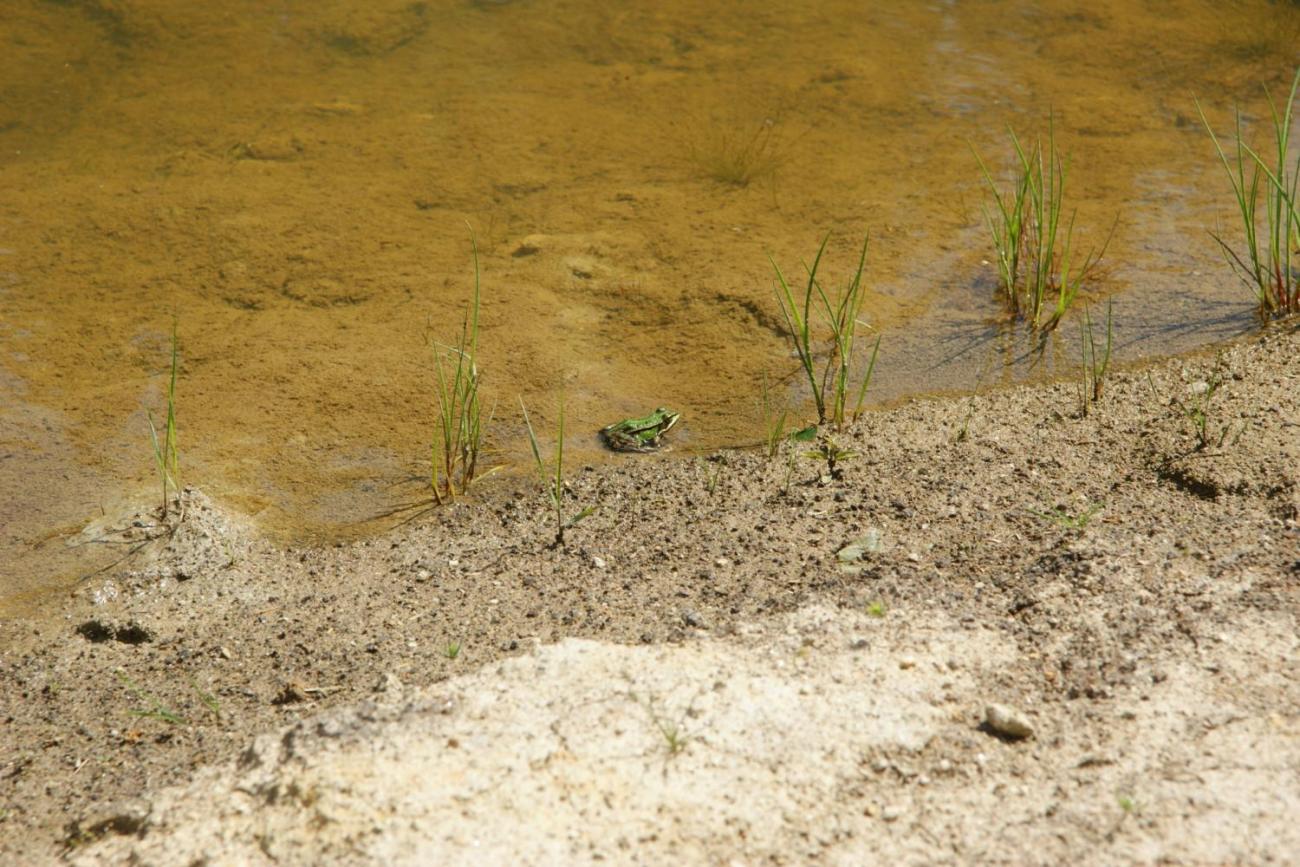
pixel 866 379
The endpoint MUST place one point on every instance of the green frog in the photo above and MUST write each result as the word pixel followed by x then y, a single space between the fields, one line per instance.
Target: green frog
pixel 640 434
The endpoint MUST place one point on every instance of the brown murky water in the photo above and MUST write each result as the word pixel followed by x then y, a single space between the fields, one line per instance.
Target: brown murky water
pixel 293 181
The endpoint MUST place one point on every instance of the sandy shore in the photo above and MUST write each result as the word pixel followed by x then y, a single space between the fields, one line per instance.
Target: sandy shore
pixel 702 673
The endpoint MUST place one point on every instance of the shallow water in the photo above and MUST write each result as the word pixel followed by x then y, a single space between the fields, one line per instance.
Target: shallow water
pixel 293 181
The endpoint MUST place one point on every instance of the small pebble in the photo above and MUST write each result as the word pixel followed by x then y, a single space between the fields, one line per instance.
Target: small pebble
pixel 891 813
pixel 1007 721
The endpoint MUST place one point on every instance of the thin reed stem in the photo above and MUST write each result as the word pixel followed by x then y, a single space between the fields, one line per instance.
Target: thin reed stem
pixel 166 451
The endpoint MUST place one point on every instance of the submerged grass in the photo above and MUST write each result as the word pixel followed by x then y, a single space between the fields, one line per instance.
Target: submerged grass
pixel 737 158
pixel 1270 262
pixel 458 437
pixel 166 452
pixel 1265 33
pixel 834 383
pixel 1033 241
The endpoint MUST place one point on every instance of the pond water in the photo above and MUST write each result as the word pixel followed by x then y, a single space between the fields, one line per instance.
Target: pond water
pixel 295 182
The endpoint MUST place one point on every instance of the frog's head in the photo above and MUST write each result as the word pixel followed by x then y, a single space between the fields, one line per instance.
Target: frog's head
pixel 666 417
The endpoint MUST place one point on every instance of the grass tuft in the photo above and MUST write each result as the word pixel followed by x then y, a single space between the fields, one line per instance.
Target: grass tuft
pixel 155 709
pixel 737 158
pixel 773 422
pixel 1033 241
pixel 209 699
pixel 1067 520
pixel 1197 410
pixel 1269 264
pixel 1095 358
pixel 714 477
pixel 458 437
pixel 672 731
pixel 839 311
pixel 675 739
pixel 832 453
pixel 553 479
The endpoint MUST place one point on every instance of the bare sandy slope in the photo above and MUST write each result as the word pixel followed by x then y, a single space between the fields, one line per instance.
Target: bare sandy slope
pixel 828 735
pixel 702 674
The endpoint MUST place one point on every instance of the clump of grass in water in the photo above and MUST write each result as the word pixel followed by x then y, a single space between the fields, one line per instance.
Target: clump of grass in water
pixel 839 312
pixel 166 453
pixel 1032 242
pixel 1264 33
pixel 553 480
pixel 1269 265
pixel 737 159
pixel 458 438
